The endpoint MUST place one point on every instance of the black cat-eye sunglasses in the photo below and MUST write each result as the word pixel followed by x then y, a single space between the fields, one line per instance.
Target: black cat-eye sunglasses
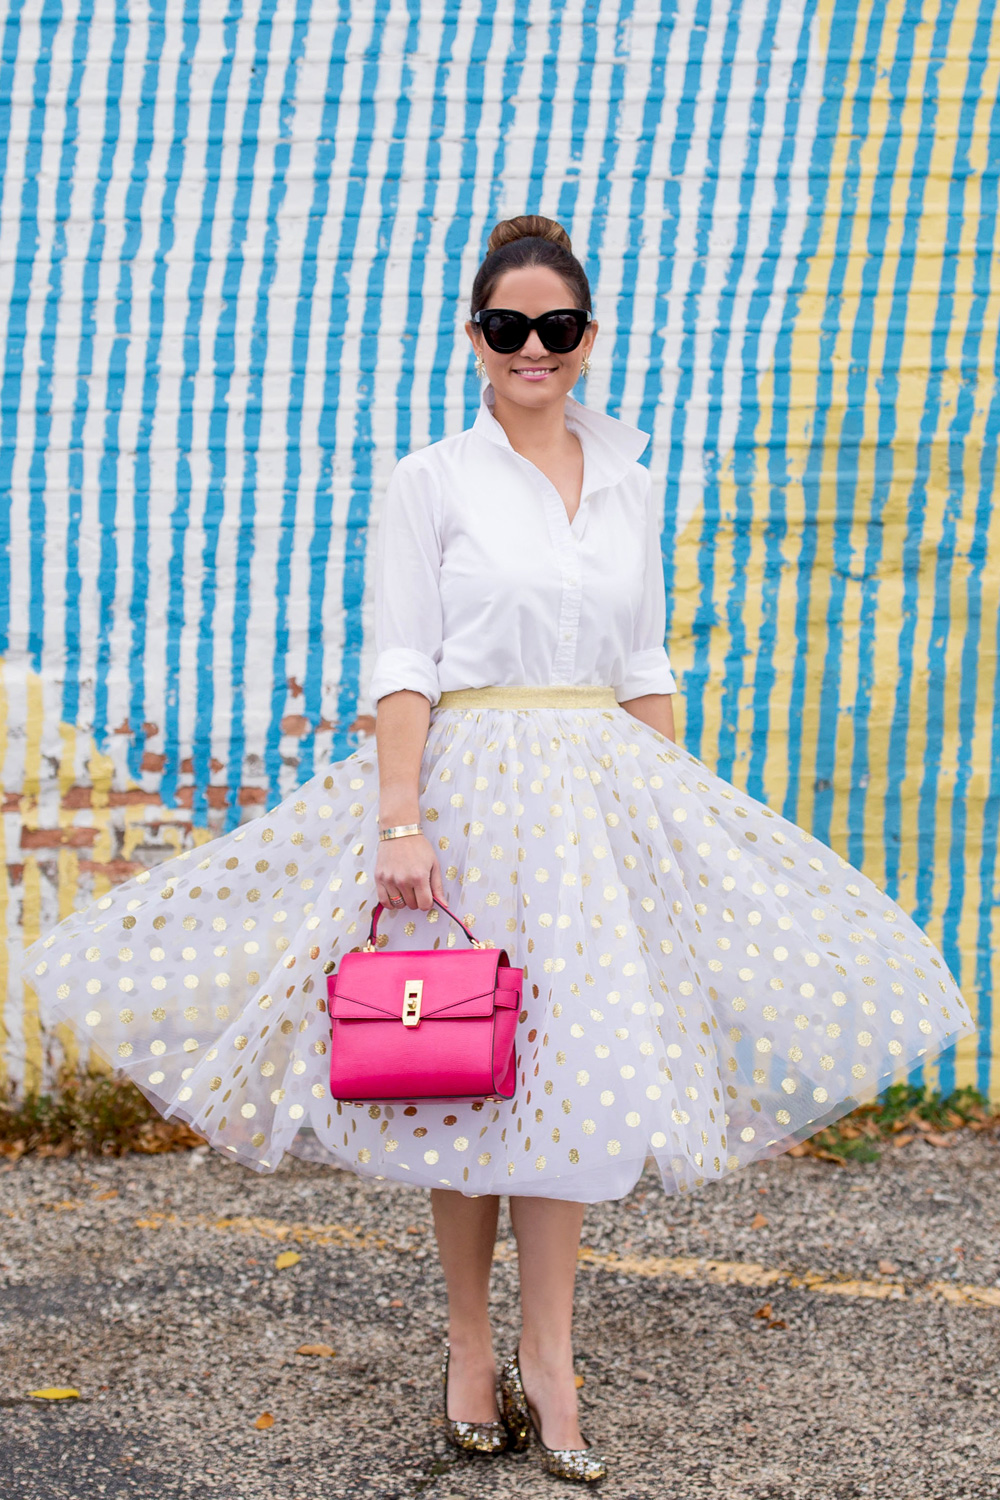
pixel 507 331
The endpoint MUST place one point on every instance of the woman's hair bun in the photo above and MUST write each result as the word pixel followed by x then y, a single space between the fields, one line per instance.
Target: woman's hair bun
pixel 528 226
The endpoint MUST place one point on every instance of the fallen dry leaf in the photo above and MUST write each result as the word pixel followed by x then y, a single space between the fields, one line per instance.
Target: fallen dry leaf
pixel 55 1393
pixel 264 1421
pixel 285 1259
pixel 887 1267
pixel 104 1197
pixel 801 1149
pixel 777 1323
pixel 759 1222
pixel 579 1382
pixel 767 1311
pixel 903 1140
pixel 396 1302
pixel 934 1138
pixel 321 1351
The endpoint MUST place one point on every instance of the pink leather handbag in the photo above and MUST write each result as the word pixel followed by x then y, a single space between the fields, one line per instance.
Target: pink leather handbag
pixel 431 1023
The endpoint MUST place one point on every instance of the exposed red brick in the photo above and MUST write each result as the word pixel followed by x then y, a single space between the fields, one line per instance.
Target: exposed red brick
pixel 151 761
pixel 149 729
pixel 115 870
pixel 363 724
pixel 123 728
pixel 295 687
pixel 295 724
pixel 77 796
pixel 52 838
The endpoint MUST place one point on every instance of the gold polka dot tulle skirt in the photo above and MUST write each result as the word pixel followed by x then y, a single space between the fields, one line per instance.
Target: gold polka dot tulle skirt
pixel 705 982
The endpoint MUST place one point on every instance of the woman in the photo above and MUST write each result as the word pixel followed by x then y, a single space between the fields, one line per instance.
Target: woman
pixel 705 982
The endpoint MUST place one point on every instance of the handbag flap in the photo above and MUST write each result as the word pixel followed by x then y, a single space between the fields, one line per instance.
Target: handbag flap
pixel 455 983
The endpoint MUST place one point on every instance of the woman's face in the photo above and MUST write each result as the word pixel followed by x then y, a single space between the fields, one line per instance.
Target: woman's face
pixel 532 376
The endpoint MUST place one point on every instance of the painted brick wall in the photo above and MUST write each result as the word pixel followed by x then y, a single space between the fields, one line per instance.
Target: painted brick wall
pixel 234 247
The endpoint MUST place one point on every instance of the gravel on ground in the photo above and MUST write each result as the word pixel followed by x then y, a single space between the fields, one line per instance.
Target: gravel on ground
pixel 801 1332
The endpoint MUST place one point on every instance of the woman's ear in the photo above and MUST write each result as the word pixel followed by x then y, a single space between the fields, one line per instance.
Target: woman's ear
pixel 475 337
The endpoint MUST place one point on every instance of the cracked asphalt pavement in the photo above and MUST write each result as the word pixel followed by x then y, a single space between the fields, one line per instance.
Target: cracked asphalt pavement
pixel 801 1332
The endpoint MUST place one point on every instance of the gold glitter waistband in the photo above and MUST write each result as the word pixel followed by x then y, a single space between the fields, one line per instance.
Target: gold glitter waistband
pixel 530 695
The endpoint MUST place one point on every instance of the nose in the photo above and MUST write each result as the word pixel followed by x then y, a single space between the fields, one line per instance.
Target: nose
pixel 534 348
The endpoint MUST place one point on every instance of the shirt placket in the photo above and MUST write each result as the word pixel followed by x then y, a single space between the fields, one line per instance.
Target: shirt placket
pixel 568 562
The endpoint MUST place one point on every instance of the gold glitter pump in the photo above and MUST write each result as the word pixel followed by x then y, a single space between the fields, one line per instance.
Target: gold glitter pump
pixel 566 1463
pixel 472 1437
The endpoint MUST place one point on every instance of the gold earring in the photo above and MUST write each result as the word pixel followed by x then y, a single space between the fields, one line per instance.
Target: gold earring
pixel 585 366
pixel 480 367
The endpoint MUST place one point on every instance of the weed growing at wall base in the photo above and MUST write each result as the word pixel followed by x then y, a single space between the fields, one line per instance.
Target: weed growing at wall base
pixel 102 1115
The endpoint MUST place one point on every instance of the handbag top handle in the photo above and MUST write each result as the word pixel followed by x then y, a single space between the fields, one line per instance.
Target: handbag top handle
pixel 380 908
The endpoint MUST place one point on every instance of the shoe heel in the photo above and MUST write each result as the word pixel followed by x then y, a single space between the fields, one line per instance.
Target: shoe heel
pixel 489 1438
pixel 514 1407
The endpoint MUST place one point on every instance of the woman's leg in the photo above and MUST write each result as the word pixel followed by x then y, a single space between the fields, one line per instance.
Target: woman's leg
pixel 548 1238
pixel 466 1230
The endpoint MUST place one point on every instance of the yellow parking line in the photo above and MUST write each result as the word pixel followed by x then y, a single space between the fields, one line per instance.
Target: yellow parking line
pixel 654 1267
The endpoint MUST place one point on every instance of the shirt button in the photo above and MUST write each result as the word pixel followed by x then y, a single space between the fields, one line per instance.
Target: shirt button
pixel 567 635
pixel 573 581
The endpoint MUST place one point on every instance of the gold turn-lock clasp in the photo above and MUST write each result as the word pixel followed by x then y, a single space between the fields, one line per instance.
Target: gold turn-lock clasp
pixel 413 990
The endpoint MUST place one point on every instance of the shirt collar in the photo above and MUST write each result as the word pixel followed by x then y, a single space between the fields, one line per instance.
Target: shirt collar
pixel 610 446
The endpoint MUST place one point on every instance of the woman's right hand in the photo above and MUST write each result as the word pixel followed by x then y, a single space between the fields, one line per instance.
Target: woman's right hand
pixel 408 867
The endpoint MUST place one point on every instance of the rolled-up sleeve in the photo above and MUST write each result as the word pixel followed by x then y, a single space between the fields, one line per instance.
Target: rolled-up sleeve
pixel 408 618
pixel 648 668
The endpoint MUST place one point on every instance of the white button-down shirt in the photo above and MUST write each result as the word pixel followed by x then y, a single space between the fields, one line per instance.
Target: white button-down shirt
pixel 481 578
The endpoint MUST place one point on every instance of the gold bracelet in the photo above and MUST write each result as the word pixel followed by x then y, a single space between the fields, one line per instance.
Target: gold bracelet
pixel 400 831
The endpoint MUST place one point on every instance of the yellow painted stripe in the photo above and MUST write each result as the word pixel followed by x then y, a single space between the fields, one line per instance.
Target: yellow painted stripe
pixel 655 1267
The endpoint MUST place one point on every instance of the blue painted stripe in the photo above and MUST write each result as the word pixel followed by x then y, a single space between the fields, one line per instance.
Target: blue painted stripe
pixel 888 387
pixel 609 151
pixel 422 234
pixel 37 475
pixel 180 518
pixel 855 417
pixel 90 292
pixel 27 248
pixel 326 156
pixel 223 360
pixel 733 677
pixel 253 411
pixel 142 482
pixel 546 94
pixel 652 112
pixel 107 480
pixel 705 616
pixel 944 553
pixel 842 24
pixel 985 509
pixel 976 635
pixel 457 231
pixel 355 545
pixel 513 67
pixel 687 104
pixel 319 547
pixel 118 357
pixel 915 510
pixel 812 480
pixel 319 550
pixel 570 188
pixel 746 437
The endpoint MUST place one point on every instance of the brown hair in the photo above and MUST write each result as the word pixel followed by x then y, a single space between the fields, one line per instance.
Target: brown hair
pixel 529 240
